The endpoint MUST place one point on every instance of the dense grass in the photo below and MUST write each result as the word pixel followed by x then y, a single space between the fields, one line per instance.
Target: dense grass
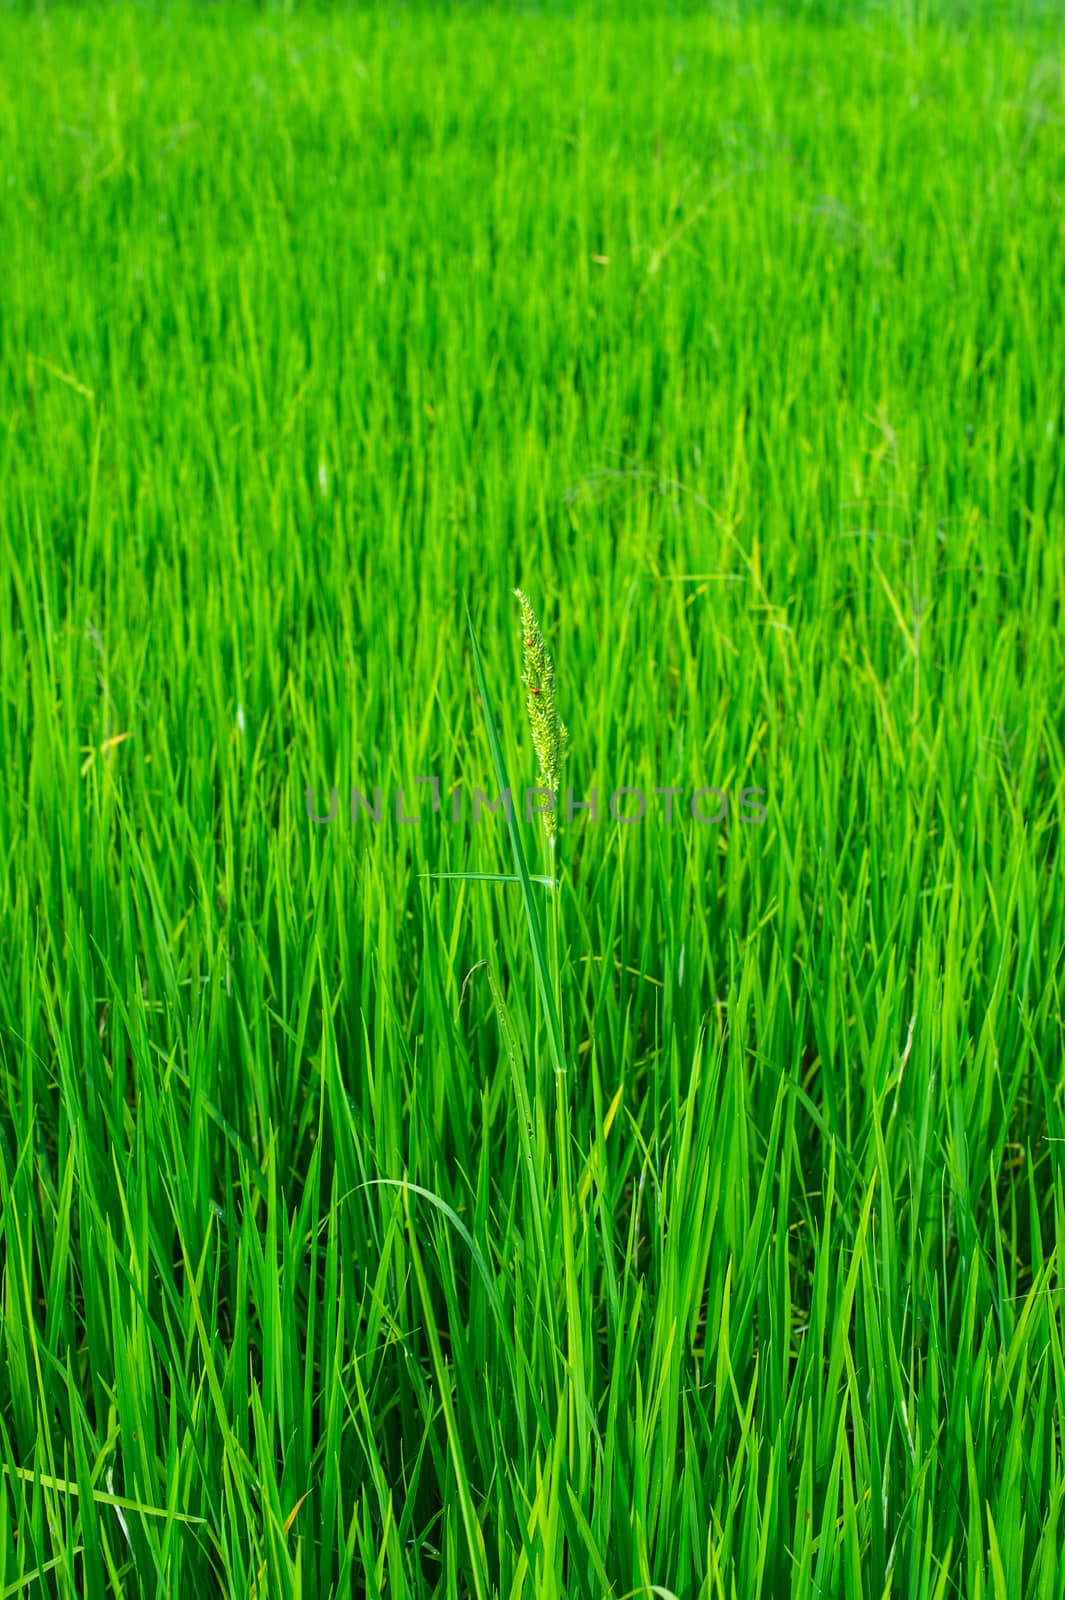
pixel 739 346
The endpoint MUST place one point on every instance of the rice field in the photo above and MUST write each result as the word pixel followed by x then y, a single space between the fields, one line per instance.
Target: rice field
pixel 404 1193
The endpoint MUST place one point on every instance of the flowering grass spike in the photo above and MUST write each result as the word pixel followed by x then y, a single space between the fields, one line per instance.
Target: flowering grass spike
pixel 548 730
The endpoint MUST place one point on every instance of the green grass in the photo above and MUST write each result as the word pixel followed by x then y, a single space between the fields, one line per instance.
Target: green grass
pixel 737 342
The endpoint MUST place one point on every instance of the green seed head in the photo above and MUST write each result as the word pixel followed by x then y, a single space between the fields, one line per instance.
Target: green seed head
pixel 548 730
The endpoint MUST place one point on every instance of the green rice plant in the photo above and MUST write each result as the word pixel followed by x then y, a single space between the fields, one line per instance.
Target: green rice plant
pixel 565 1210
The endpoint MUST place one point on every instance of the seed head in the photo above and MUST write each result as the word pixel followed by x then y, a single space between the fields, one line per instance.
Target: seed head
pixel 548 730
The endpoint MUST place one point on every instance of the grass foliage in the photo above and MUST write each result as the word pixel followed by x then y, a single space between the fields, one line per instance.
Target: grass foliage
pixel 373 1228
